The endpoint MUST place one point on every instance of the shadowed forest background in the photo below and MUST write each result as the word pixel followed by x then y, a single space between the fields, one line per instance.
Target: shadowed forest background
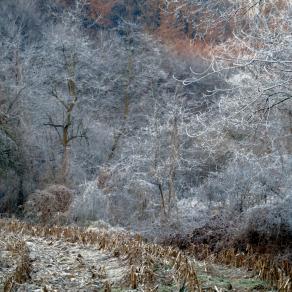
pixel 168 118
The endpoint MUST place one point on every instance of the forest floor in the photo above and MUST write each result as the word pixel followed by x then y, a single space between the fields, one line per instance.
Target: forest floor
pixel 46 263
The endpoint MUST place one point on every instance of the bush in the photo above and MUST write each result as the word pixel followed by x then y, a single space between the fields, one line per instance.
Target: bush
pixel 134 205
pixel 90 204
pixel 269 223
pixel 49 205
pixel 247 181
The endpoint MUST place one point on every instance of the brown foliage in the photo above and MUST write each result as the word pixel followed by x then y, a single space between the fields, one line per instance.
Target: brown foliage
pixel 100 9
pixel 48 205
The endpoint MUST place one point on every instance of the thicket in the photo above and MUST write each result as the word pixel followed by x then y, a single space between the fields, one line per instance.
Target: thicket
pixel 144 141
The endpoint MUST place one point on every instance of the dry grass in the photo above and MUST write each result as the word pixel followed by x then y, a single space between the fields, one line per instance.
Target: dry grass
pixel 278 273
pixel 141 256
pixel 48 205
pixel 23 269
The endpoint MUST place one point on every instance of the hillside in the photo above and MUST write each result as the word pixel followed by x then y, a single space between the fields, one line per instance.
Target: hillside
pixel 186 27
pixel 166 119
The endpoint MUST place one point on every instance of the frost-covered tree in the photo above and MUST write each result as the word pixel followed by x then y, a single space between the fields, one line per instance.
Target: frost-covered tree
pixel 20 23
pixel 251 121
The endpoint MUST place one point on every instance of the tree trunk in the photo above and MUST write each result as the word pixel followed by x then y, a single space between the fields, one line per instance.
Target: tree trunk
pixel 122 130
pixel 172 171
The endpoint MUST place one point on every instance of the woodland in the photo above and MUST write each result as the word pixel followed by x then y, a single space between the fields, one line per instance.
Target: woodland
pixel 160 128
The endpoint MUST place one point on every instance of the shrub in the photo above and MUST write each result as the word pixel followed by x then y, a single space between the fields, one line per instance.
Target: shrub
pixel 49 205
pixel 248 181
pixel 128 206
pixel 269 223
pixel 90 204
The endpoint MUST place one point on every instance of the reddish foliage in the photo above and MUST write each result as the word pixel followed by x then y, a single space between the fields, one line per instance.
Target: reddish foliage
pixel 185 38
pixel 100 9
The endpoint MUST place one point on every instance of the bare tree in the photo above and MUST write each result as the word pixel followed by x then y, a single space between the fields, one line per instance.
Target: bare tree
pixel 19 27
pixel 62 62
pixel 251 119
pixel 66 131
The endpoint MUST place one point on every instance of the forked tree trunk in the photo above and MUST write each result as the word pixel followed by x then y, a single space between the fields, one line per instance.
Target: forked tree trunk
pixel 65 168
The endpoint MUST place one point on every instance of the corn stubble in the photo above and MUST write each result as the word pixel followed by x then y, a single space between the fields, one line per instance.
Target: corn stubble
pixel 278 273
pixel 21 274
pixel 142 258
